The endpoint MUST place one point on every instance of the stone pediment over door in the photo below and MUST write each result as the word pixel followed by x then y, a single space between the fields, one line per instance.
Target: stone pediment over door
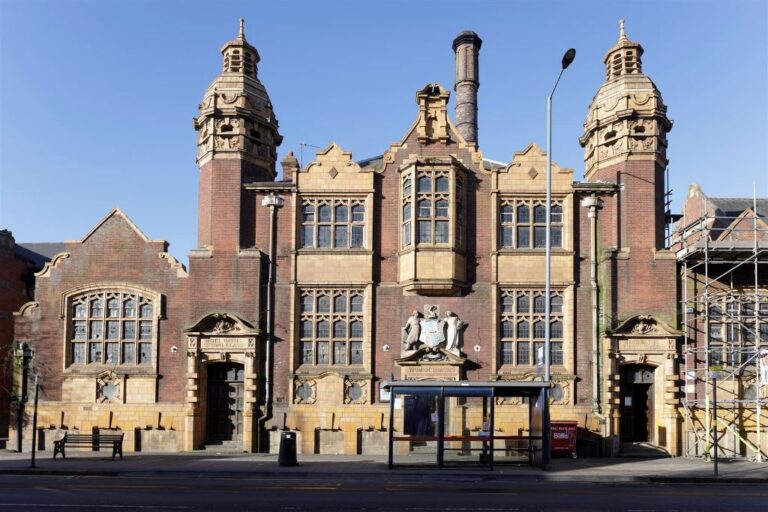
pixel 223 323
pixel 222 333
pixel 644 326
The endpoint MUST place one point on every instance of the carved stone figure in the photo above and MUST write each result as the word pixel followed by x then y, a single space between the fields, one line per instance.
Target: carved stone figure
pixel 411 332
pixel 223 326
pixel 644 325
pixel 454 327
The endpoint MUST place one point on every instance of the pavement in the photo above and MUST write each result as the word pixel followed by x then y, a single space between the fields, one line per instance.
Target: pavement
pixel 412 468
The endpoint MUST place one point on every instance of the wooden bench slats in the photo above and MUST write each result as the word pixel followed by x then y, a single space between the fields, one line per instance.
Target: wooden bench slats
pixel 89 440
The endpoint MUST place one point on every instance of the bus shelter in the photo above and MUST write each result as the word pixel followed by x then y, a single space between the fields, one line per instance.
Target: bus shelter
pixel 535 443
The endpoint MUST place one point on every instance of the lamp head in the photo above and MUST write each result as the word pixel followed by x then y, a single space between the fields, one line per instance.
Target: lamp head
pixel 568 57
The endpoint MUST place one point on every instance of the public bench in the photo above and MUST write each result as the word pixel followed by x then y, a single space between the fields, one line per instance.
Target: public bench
pixel 93 441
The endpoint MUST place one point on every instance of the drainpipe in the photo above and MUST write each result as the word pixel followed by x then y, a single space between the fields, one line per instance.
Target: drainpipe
pixel 594 204
pixel 274 202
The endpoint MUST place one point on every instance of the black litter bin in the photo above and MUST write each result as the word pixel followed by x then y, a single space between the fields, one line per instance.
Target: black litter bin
pixel 287 455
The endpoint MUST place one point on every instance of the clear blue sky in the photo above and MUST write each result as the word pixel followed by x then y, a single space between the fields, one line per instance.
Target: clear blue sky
pixel 97 97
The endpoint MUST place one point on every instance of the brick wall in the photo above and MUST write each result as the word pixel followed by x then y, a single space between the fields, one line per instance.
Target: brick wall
pixel 115 254
pixel 13 294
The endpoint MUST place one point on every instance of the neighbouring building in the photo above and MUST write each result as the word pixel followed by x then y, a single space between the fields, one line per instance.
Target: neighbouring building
pixel 18 263
pixel 722 247
pixel 426 262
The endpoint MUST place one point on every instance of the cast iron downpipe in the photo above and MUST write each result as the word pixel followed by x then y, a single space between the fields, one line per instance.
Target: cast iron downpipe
pixel 594 204
pixel 274 202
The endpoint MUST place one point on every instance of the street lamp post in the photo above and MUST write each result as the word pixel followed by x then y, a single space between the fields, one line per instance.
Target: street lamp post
pixel 567 59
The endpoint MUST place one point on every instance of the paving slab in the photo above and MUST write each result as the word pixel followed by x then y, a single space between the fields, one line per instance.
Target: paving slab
pixel 416 467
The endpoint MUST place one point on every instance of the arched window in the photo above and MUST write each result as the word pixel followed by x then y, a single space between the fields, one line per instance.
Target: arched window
pixel 539 329
pixel 523 304
pixel 113 335
pixel 306 329
pixel 506 221
pixel 339 329
pixel 425 209
pixel 507 304
pixel 113 307
pixel 307 304
pixel 424 184
pixel 406 224
pixel 323 304
pixel 323 329
pixel 507 330
pixel 342 213
pixel 340 304
pixel 523 330
pixel 356 304
pixel 556 329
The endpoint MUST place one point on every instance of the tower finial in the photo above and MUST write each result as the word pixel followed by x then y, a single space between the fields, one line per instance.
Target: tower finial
pixel 242 29
pixel 622 35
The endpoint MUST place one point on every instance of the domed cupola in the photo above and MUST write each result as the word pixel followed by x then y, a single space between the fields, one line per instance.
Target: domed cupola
pixel 627 119
pixel 624 57
pixel 236 118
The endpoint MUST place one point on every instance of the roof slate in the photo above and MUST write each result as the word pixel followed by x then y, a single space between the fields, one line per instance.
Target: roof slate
pixel 39 253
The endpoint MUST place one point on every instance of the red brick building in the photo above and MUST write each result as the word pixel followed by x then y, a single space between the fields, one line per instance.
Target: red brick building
pixel 427 262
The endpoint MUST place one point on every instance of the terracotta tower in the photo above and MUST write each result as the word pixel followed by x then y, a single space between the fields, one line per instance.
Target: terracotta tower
pixel 236 144
pixel 625 142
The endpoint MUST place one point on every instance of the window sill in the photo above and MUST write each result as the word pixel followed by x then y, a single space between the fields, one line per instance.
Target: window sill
pixel 94 369
pixel 308 370
pixel 312 250
pixel 556 251
pixel 430 248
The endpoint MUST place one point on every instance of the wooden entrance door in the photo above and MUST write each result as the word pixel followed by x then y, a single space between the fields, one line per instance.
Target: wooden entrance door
pixel 225 403
pixel 636 407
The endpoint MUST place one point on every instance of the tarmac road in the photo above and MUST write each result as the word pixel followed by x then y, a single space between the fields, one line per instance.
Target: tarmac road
pixel 129 493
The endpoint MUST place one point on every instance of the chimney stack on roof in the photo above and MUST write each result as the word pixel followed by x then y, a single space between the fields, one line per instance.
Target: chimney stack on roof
pixel 467 49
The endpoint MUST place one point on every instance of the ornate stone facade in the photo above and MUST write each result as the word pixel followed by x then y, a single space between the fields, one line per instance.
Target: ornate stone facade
pixel 424 263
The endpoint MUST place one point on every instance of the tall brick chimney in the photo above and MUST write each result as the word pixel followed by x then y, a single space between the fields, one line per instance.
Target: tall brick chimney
pixel 467 49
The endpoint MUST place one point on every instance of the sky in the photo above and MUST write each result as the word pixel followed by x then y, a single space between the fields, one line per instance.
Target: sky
pixel 97 97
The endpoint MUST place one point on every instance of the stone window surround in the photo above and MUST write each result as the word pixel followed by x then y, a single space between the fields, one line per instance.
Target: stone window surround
pixel 512 223
pixel 530 317
pixel 66 315
pixel 350 201
pixel 331 317
pixel 411 196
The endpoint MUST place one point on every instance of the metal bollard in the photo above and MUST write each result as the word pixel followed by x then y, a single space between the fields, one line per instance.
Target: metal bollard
pixel 287 454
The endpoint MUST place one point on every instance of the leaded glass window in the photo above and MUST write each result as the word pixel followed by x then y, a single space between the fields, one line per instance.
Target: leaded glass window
pixel 333 223
pixel 331 327
pixel 522 224
pixel 522 326
pixel 102 328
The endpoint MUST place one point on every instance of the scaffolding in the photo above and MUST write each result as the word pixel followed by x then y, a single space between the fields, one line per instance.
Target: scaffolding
pixel 725 320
